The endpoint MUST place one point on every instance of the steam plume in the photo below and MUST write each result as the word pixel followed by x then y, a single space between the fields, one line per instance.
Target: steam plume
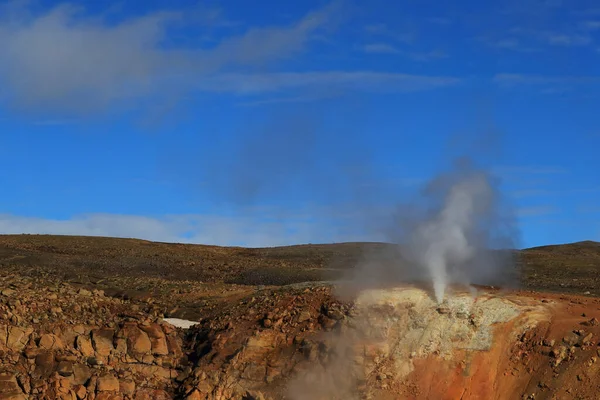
pixel 459 229
pixel 446 242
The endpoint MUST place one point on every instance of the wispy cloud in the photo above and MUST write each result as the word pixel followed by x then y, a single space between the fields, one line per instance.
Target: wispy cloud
pixel 529 169
pixel 439 20
pixel 64 60
pixel 381 29
pixel 252 84
pixel 386 48
pixel 532 193
pixel 427 56
pixel 278 100
pixel 562 39
pixel 546 84
pixel 380 48
pixel 591 25
pixel 522 193
pixel 588 209
pixel 536 211
pixel 587 12
pixel 509 43
pixel 54 122
pixel 539 39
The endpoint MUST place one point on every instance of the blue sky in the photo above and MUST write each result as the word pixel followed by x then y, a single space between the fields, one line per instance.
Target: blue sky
pixel 225 122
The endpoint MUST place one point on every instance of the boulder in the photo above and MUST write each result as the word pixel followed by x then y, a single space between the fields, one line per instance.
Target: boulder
pixel 107 383
pixel 18 337
pixel 50 342
pixel 138 342
pixel 84 345
pixel 102 341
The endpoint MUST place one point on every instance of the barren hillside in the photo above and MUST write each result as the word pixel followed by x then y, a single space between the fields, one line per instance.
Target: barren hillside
pixel 87 318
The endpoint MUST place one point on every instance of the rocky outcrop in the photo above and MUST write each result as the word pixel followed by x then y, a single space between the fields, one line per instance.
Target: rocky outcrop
pixel 125 354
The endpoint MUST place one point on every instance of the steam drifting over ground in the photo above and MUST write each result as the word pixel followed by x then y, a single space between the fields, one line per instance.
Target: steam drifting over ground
pixel 458 230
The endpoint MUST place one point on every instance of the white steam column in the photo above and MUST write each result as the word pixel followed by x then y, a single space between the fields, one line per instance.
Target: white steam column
pixel 442 240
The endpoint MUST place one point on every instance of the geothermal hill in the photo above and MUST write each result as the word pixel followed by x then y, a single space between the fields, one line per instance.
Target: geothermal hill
pixel 96 318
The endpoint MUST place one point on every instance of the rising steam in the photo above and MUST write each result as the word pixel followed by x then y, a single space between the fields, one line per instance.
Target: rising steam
pixel 459 229
pixel 444 240
pixel 460 234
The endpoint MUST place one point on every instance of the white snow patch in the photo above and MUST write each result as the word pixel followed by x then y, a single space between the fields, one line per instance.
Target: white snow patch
pixel 180 323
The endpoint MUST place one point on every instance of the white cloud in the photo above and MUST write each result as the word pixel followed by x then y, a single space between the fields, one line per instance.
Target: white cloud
pixel 381 29
pixel 561 39
pixel 440 20
pixel 380 48
pixel 427 56
pixel 591 25
pixel 65 60
pixel 255 231
pixel 528 169
pixel 530 39
pixel 386 48
pixel 248 84
pixel 536 211
pixel 549 84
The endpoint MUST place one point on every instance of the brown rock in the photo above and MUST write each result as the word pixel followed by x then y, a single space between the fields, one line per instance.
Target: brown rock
pixel 107 383
pixel 304 316
pixel 8 292
pixel 31 352
pixel 335 313
pixel 255 372
pixel 84 345
pixel 24 382
pixel 121 345
pixel 79 329
pixel 109 396
pixel 587 340
pixel 44 365
pixel 548 342
pixel 81 374
pixel 267 322
pixel 50 342
pixel 174 345
pixel 152 394
pixel 147 359
pixel 264 340
pixel 102 341
pixel 3 334
pixel 250 395
pixel 183 375
pixel 65 368
pixel 571 339
pixel 559 353
pixel 18 337
pixel 195 395
pixel 80 392
pixel 443 310
pixel 138 342
pixel 157 339
pixel 127 387
pixel 9 386
pixel 327 323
